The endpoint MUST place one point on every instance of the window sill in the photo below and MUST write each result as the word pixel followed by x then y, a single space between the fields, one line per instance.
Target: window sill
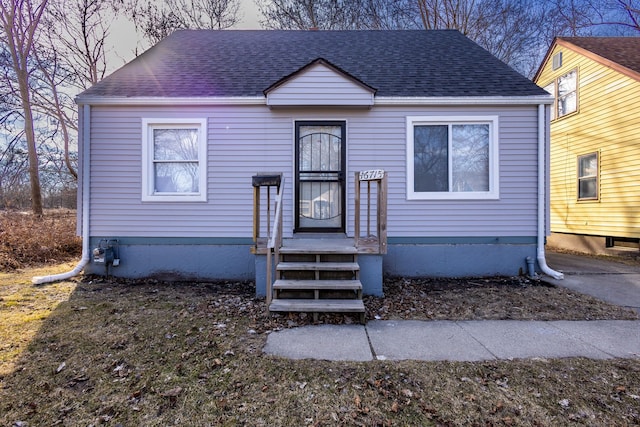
pixel 454 196
pixel 174 199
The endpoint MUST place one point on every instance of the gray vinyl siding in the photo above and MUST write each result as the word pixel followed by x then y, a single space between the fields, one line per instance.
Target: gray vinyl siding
pixel 244 140
pixel 320 85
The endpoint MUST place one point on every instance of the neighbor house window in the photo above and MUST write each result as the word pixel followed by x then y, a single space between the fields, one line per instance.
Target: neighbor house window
pixel 174 153
pixel 452 158
pixel 568 93
pixel 588 177
pixel 565 91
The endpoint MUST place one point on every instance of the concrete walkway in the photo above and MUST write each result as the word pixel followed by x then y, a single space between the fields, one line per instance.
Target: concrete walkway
pixel 459 340
pixel 610 281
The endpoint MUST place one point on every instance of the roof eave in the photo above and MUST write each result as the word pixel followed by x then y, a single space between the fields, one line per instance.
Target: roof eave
pixel 261 100
pixel 467 100
pixel 166 100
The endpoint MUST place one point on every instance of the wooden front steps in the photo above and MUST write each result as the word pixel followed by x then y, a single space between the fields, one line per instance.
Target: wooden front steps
pixel 318 276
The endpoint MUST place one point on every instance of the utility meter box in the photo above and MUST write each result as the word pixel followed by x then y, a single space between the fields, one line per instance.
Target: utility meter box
pixel 106 253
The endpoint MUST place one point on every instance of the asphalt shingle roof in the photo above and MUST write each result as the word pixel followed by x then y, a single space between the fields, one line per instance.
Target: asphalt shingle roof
pixel 622 50
pixel 203 63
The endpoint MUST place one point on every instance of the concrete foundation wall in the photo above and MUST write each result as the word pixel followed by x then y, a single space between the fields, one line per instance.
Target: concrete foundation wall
pixel 458 260
pixel 594 245
pixel 578 243
pixel 181 262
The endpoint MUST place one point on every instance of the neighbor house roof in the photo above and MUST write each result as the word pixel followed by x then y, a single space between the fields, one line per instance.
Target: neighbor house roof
pixel 620 53
pixel 242 63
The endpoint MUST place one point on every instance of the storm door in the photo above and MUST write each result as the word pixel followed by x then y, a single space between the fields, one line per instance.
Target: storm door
pixel 320 176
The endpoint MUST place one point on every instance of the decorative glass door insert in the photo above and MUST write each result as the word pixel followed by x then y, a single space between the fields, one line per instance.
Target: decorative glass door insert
pixel 320 162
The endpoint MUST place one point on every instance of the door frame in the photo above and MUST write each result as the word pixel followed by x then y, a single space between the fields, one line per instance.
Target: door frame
pixel 342 174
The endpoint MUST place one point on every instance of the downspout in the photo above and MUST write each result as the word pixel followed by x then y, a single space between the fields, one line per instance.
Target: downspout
pixel 86 255
pixel 542 168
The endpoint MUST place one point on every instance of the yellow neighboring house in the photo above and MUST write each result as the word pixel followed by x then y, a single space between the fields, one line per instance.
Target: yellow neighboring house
pixel 595 142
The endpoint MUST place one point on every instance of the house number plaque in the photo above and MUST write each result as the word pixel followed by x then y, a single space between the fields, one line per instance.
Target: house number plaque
pixel 371 175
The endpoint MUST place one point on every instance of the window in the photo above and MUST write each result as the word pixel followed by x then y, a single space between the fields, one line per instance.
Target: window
pixel 556 61
pixel 588 177
pixel 452 159
pixel 174 153
pixel 565 91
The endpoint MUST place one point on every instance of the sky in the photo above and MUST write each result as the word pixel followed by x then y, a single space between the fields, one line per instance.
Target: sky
pixel 250 13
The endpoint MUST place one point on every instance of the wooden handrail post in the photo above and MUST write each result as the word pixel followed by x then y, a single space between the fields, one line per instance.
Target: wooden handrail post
pixel 382 215
pixel 274 225
pixel 356 211
pixel 380 177
pixel 274 242
pixel 256 215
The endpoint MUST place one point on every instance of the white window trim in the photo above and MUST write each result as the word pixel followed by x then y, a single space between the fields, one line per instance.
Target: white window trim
pixel 575 90
pixel 596 176
pixel 148 192
pixel 494 161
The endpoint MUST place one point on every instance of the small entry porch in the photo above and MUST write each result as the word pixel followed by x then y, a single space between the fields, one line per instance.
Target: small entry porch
pixel 319 272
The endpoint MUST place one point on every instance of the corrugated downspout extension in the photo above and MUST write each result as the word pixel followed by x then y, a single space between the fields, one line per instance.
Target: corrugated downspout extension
pixel 86 253
pixel 542 262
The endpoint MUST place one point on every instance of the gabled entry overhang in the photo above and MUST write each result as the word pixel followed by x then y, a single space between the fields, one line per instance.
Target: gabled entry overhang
pixel 320 84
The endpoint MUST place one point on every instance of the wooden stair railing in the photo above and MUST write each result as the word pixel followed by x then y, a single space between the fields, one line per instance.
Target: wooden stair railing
pixel 275 242
pixel 370 242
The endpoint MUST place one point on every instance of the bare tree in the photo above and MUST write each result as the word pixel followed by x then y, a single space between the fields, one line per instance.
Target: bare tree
pixel 605 17
pixel 311 14
pixel 71 58
pixel 389 15
pixel 631 9
pixel 208 14
pixel 158 19
pixel 78 33
pixel 20 20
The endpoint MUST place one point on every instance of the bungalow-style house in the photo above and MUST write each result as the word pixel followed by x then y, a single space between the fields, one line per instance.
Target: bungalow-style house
pixel 595 143
pixel 350 154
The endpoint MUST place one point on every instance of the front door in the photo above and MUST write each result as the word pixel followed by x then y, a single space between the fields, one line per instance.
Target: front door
pixel 320 176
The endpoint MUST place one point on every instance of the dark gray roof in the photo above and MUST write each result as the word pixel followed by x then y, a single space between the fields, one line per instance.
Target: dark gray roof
pixel 204 63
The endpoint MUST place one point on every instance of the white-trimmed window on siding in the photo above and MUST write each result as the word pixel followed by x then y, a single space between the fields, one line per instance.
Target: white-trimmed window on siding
pixel 588 176
pixel 565 91
pixel 452 158
pixel 174 160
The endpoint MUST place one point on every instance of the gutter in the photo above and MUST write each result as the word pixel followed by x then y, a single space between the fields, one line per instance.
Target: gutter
pixel 86 255
pixel 542 167
pixel 263 100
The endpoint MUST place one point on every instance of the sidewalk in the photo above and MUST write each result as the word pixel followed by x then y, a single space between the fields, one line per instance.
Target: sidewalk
pixel 486 339
pixel 459 340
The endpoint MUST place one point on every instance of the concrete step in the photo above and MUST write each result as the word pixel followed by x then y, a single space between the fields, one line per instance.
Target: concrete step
pixel 318 305
pixel 310 285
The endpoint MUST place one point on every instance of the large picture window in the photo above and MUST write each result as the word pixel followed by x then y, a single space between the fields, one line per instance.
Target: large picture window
pixel 452 159
pixel 588 177
pixel 174 160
